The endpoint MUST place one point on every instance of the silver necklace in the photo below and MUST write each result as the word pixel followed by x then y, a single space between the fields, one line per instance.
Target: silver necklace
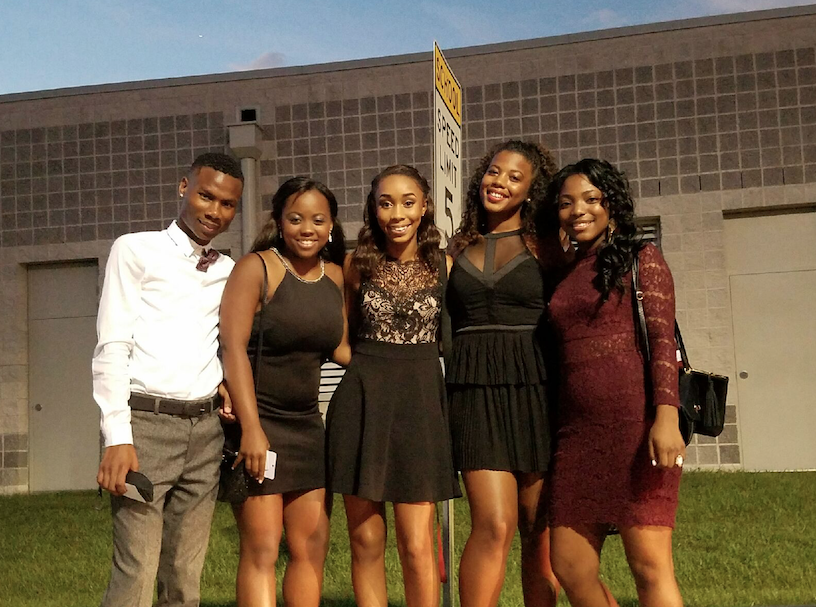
pixel 291 270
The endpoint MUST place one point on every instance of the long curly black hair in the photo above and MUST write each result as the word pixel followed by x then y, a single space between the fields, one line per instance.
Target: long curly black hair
pixel 615 254
pixel 474 216
pixel 271 236
pixel 371 242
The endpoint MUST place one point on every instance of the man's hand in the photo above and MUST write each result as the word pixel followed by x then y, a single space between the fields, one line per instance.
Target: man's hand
pixel 117 461
pixel 225 411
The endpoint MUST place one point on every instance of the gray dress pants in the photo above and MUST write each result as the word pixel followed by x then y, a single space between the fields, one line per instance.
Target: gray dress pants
pixel 166 540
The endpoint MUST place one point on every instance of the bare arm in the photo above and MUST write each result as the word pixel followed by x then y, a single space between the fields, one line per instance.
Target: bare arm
pixel 239 303
pixel 351 285
pixel 342 354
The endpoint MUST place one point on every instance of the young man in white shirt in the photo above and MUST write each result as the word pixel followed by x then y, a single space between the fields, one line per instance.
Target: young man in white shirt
pixel 156 379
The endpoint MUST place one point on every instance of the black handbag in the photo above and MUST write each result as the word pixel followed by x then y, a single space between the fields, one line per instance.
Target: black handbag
pixel 702 394
pixel 233 485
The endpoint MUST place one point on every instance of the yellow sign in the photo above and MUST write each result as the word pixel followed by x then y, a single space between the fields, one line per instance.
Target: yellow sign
pixel 447 85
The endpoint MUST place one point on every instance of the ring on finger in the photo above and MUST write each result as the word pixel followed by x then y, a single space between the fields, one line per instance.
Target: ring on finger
pixel 678 461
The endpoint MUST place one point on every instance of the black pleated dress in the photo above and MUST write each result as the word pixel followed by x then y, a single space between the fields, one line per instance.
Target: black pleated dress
pixel 387 424
pixel 497 377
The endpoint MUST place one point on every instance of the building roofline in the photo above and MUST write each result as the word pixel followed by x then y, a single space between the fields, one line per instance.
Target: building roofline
pixel 392 60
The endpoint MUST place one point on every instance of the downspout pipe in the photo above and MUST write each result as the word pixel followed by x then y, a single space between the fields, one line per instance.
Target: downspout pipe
pixel 245 143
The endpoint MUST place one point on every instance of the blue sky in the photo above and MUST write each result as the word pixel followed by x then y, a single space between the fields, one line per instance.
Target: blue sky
pixel 48 44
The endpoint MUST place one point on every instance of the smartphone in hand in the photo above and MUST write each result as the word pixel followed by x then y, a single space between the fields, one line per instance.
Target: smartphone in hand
pixel 271 463
pixel 139 487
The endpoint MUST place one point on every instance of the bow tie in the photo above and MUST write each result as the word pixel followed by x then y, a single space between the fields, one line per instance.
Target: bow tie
pixel 206 259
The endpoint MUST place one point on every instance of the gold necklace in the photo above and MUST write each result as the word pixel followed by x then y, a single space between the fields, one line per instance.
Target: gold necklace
pixel 291 270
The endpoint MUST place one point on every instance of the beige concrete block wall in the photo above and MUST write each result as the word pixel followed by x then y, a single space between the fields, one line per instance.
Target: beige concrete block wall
pixel 704 117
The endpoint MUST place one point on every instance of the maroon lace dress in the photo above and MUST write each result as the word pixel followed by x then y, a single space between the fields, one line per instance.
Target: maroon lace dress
pixel 602 469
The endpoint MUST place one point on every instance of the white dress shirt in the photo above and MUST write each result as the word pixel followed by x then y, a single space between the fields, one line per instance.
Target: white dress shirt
pixel 157 325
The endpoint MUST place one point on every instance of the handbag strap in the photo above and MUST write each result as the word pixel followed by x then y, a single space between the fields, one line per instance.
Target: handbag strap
pixel 259 340
pixel 678 337
pixel 643 334
pixel 637 298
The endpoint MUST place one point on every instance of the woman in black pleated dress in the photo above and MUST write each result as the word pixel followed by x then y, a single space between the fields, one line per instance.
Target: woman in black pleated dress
pixel 289 292
pixel 497 378
pixel 387 427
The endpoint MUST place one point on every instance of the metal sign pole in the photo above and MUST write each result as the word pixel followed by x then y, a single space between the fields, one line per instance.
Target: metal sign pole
pixel 447 194
pixel 448 597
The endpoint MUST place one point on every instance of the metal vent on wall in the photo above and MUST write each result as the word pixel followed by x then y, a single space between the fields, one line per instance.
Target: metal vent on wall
pixel 248 114
pixel 650 227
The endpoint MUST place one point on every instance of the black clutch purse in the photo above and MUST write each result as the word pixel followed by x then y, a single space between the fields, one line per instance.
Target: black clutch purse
pixel 233 486
pixel 702 394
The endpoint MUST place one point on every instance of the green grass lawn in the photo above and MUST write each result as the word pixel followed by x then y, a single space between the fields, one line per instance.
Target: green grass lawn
pixel 741 539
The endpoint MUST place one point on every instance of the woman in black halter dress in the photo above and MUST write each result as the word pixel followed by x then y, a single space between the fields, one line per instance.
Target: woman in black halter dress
pixel 281 317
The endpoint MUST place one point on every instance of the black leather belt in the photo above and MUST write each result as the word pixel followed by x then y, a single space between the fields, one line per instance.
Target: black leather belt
pixel 168 406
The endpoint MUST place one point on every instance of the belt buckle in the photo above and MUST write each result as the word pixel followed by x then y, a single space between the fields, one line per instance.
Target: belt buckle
pixel 204 407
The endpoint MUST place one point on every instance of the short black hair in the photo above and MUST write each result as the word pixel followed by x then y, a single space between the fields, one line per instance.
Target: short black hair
pixel 223 163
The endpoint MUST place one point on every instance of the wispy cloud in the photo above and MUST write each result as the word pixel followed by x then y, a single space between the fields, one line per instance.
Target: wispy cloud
pixel 264 61
pixel 605 18
pixel 466 23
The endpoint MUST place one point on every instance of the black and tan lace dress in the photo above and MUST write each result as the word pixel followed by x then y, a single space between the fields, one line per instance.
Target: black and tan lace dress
pixel 387 425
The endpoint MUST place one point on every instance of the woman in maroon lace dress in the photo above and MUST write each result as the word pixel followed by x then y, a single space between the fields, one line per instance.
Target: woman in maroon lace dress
pixel 619 451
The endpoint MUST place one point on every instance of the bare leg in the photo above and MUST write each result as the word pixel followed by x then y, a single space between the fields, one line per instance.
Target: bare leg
pixel 538 582
pixel 306 521
pixel 576 559
pixel 260 524
pixel 649 553
pixel 493 498
pixel 367 531
pixel 415 543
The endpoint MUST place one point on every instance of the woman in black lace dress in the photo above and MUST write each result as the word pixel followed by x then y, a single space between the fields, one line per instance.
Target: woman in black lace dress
pixel 387 426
